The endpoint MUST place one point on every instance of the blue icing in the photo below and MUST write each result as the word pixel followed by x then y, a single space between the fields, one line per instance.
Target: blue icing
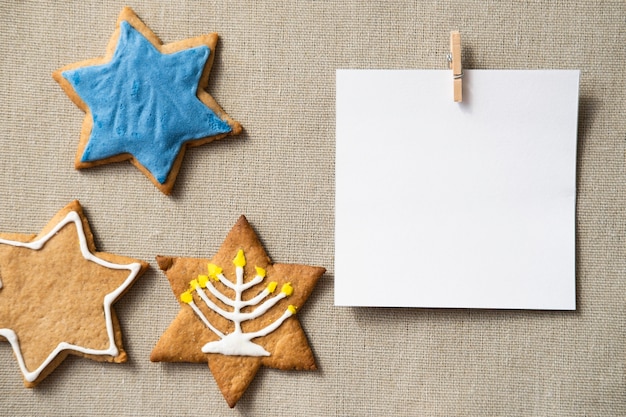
pixel 144 103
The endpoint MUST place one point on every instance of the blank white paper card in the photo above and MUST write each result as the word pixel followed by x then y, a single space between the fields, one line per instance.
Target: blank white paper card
pixel 456 205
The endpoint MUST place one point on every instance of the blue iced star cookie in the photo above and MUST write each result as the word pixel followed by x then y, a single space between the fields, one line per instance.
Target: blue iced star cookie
pixel 145 102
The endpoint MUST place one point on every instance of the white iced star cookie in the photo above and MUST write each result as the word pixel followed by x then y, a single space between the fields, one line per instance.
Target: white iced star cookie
pixel 57 295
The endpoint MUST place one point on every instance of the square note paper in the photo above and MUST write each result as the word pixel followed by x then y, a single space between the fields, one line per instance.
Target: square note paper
pixel 456 205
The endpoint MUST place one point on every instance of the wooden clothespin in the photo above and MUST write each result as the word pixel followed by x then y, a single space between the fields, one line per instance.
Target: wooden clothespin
pixel 454 61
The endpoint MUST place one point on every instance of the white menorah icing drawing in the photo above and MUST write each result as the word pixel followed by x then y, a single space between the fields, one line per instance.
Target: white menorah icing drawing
pixel 237 342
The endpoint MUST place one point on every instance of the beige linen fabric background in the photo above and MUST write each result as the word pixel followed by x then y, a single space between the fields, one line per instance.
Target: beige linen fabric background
pixel 275 72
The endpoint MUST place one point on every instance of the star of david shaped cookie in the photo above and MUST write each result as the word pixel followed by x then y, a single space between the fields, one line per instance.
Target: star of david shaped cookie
pixel 145 102
pixel 56 295
pixel 237 312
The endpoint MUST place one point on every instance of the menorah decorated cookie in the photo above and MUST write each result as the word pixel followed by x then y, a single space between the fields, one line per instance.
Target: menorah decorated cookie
pixel 56 295
pixel 238 312
pixel 145 102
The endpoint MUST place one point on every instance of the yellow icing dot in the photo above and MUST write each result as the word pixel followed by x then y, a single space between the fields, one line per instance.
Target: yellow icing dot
pixel 202 280
pixel 194 284
pixel 186 297
pixel 240 259
pixel 214 271
pixel 292 309
pixel 272 286
pixel 287 289
pixel 260 271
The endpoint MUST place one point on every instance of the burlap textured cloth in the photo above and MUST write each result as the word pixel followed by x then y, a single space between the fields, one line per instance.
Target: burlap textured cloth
pixel 274 72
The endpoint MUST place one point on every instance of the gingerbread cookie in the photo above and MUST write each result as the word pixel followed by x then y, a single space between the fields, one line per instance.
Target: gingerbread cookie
pixel 237 312
pixel 145 102
pixel 56 295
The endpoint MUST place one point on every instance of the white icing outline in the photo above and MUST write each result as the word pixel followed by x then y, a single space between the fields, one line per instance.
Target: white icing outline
pixel 109 299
